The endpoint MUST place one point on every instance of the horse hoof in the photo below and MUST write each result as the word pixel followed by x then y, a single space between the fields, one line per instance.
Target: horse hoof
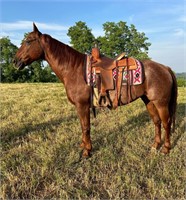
pixel 165 150
pixel 156 146
pixel 82 145
pixel 86 153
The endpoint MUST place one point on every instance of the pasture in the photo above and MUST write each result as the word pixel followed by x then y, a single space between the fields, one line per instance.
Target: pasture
pixel 41 158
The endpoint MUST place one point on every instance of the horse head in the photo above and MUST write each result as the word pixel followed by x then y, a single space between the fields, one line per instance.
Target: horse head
pixel 30 50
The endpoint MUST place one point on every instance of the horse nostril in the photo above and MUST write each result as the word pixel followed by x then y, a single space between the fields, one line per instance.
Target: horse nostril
pixel 14 60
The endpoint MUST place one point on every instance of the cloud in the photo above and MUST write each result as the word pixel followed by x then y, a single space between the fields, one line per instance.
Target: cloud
pixel 27 25
pixel 15 30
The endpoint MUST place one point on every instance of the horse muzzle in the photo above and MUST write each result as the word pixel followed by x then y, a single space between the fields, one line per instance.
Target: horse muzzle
pixel 18 64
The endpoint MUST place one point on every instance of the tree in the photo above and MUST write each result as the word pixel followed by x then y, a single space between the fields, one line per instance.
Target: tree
pixel 8 73
pixel 121 38
pixel 118 38
pixel 81 37
pixel 48 75
pixel 181 79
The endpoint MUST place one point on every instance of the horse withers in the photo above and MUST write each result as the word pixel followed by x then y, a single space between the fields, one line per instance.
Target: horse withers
pixel 158 91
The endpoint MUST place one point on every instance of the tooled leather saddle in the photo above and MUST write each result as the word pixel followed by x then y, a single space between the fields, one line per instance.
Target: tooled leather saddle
pixel 107 74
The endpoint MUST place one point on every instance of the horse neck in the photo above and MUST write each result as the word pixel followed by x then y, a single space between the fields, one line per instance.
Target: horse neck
pixel 62 58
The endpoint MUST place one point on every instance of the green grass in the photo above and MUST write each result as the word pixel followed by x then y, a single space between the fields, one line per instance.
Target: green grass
pixel 40 154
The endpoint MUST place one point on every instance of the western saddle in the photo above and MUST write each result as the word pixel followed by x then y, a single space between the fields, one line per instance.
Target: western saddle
pixel 103 67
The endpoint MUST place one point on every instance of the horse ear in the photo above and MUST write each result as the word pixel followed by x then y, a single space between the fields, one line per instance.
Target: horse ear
pixel 35 29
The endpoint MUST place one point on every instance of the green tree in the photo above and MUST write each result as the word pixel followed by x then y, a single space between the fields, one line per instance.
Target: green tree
pixel 35 71
pixel 81 37
pixel 118 38
pixel 8 73
pixel 122 38
pixel 48 75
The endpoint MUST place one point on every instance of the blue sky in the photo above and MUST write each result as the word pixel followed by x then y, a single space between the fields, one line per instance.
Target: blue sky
pixel 162 21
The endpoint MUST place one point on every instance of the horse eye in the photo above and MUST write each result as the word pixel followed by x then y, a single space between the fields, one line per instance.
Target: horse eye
pixel 27 42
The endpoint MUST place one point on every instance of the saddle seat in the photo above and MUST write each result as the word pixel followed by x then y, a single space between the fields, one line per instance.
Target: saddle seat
pixel 107 63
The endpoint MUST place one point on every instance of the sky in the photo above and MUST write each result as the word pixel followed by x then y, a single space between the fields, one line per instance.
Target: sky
pixel 162 21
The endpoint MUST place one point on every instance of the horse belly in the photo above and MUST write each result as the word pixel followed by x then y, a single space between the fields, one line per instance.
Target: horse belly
pixel 131 93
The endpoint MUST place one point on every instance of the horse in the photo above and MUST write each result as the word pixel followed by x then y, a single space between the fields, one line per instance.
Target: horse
pixel 158 91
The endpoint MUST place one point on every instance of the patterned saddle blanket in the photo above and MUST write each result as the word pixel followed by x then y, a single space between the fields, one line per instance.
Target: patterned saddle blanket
pixel 132 77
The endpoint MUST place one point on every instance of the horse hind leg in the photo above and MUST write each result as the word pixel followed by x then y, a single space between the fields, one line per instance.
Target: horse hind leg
pixel 156 119
pixel 163 111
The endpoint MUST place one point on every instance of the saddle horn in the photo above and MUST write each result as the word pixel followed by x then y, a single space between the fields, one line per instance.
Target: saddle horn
pixel 95 52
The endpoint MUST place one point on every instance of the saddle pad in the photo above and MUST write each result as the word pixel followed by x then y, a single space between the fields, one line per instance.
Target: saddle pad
pixel 133 77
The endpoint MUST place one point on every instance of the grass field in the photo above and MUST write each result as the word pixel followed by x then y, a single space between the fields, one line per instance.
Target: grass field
pixel 40 154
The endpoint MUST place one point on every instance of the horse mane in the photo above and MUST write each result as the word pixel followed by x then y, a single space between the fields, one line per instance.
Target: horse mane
pixel 63 52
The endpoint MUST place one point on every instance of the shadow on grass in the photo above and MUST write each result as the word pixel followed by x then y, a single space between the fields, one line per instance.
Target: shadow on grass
pixel 11 136
pixel 140 121
pixel 181 126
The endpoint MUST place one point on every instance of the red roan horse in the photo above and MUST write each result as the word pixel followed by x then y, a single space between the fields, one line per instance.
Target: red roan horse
pixel 158 92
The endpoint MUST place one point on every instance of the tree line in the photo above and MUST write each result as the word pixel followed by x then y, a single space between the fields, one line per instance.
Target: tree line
pixel 117 38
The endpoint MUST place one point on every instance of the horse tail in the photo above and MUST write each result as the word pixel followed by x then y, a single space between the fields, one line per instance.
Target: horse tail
pixel 173 100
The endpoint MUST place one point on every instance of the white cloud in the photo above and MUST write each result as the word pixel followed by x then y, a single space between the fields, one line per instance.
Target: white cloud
pixel 24 25
pixel 51 27
pixel 15 30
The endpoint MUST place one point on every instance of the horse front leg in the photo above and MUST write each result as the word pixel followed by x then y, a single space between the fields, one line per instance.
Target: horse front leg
pixel 84 116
